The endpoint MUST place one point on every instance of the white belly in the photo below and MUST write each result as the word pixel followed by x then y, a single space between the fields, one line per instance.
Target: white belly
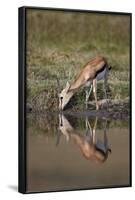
pixel 101 75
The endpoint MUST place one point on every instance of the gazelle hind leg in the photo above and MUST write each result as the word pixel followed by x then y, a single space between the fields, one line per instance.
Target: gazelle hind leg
pixel 94 131
pixel 105 91
pixel 95 93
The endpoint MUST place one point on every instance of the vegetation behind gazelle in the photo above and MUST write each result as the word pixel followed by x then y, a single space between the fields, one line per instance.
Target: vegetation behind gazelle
pixel 58 46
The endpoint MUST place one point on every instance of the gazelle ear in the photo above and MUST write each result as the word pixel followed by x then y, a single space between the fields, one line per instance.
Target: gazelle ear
pixel 67 86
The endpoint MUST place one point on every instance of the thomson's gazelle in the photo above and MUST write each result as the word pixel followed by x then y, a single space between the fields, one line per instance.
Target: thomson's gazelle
pixel 95 70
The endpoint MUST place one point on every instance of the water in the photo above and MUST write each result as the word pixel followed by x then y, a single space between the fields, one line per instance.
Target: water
pixel 67 152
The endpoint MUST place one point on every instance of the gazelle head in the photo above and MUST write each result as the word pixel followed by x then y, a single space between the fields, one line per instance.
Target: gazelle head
pixel 65 96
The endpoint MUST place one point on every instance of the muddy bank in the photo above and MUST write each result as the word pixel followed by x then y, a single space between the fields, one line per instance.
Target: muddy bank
pixel 116 109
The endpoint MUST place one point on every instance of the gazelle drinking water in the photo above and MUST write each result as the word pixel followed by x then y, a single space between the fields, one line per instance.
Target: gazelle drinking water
pixel 90 146
pixel 96 69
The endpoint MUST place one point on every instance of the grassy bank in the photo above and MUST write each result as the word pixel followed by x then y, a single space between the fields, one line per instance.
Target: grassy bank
pixel 59 44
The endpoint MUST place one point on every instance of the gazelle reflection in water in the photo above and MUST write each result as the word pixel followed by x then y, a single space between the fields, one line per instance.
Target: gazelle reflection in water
pixel 90 147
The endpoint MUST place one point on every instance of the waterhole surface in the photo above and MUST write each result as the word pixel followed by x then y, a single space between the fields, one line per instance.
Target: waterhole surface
pixel 69 152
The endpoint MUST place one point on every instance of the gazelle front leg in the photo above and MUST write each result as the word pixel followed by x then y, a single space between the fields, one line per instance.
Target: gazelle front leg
pixel 88 92
pixel 86 97
pixel 88 133
pixel 87 125
pixel 95 93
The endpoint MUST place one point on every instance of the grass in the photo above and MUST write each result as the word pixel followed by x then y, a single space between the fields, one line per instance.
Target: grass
pixel 59 44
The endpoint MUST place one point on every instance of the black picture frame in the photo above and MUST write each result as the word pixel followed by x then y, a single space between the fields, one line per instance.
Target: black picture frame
pixel 22 82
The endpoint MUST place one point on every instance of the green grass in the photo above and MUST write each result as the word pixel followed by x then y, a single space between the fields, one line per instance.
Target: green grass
pixel 59 44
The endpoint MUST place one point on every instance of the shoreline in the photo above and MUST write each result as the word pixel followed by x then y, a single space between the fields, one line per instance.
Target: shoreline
pixel 115 109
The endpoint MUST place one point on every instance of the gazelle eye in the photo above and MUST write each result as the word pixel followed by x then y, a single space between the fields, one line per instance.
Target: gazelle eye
pixel 61 98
